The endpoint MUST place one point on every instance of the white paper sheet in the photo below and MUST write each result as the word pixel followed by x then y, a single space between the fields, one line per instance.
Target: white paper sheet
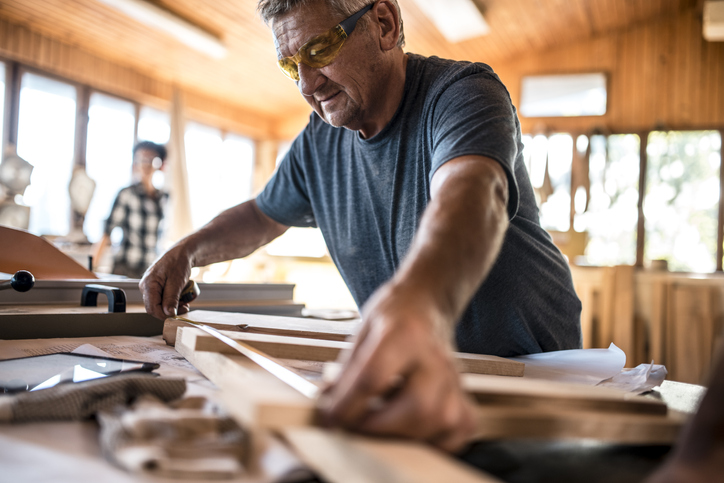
pixel 638 380
pixel 581 366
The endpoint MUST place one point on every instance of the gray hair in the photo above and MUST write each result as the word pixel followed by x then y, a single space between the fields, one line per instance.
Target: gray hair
pixel 269 10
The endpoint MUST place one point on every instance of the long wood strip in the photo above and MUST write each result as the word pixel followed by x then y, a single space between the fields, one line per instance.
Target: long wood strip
pixel 257 399
pixel 267 324
pixel 537 394
pixel 346 458
pixel 513 423
pixel 285 347
pixel 252 396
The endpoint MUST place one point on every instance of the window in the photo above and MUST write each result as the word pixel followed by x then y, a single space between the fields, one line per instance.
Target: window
pixel 563 95
pixel 548 160
pixel 109 157
pixel 612 214
pixel 682 199
pixel 222 165
pixel 154 125
pixel 46 130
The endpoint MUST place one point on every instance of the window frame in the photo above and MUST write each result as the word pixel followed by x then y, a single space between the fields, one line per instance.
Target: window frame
pixel 643 165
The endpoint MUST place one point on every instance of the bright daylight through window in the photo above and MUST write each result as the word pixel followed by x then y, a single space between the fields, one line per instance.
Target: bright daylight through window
pixel 611 218
pixel 46 129
pixel 682 199
pixel 111 122
pixel 224 163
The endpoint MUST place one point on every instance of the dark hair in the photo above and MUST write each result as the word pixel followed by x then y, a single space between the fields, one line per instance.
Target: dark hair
pixel 159 149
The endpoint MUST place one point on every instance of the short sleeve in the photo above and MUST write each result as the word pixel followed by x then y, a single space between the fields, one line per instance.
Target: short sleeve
pixel 285 198
pixel 475 116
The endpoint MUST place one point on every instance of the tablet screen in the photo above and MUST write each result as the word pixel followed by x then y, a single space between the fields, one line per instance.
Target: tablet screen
pixel 40 372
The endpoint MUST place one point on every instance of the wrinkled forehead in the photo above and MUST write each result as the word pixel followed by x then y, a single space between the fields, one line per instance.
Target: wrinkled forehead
pixel 293 29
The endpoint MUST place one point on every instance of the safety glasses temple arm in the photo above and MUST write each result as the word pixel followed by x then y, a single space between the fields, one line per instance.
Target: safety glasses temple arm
pixel 349 24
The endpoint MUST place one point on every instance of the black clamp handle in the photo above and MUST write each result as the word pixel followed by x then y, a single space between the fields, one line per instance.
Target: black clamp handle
pixel 116 297
pixel 22 281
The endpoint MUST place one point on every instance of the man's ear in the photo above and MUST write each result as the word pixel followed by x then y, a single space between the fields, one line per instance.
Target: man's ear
pixel 389 21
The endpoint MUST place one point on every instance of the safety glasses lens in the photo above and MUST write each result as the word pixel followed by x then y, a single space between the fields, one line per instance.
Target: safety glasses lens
pixel 321 51
pixel 289 67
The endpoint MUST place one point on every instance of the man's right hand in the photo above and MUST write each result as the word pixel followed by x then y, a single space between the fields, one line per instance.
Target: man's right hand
pixel 162 283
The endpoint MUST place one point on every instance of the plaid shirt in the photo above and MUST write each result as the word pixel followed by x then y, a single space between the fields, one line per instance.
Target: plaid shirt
pixel 139 216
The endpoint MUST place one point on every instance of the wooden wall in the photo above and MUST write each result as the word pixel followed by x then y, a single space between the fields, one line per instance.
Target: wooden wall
pixel 662 74
pixel 70 62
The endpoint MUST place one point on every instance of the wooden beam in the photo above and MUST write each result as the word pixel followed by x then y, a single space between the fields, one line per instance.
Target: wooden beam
pixel 508 407
pixel 641 223
pixel 622 428
pixel 251 395
pixel 285 347
pixel 265 324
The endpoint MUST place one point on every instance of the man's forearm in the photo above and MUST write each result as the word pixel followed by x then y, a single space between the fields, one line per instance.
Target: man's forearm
pixel 234 233
pixel 460 234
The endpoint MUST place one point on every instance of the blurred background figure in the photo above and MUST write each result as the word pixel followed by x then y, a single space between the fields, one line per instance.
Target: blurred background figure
pixel 138 211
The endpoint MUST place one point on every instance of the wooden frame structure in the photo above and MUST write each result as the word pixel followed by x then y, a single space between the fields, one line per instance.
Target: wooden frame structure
pixel 508 407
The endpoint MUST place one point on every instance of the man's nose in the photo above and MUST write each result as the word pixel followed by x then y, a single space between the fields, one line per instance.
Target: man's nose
pixel 310 79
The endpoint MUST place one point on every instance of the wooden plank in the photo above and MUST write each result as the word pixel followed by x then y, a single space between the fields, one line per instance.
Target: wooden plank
pixel 533 408
pixel 285 347
pixel 252 396
pixel 487 389
pixel 540 394
pixel 265 324
pixel 623 428
pixel 21 250
pixel 693 327
pixel 622 324
pixel 344 458
pixel 657 322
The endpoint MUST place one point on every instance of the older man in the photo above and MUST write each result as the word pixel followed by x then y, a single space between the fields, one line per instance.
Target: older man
pixel 412 168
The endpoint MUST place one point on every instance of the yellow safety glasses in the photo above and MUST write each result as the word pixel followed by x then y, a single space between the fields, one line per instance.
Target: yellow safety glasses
pixel 322 49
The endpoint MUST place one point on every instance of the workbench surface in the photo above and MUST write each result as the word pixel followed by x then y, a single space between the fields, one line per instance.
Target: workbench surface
pixel 69 451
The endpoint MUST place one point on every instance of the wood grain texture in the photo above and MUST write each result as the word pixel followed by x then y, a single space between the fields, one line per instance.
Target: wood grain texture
pixel 624 428
pixel 312 346
pixel 515 408
pixel 251 395
pixel 661 71
pixel 266 324
pixel 21 250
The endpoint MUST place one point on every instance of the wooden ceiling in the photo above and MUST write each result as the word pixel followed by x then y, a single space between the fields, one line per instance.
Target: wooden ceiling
pixel 248 76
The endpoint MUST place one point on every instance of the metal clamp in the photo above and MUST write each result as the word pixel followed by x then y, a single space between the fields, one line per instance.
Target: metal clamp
pixel 116 297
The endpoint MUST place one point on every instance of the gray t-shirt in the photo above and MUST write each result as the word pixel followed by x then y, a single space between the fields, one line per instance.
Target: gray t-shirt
pixel 367 197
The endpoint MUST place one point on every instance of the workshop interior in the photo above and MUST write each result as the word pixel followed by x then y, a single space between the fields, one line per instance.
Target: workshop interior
pixel 620 105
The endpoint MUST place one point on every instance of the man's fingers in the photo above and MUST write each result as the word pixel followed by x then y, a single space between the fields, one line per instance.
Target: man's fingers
pixel 171 293
pixel 409 412
pixel 152 291
pixel 431 409
pixel 370 374
pixel 461 427
pixel 439 414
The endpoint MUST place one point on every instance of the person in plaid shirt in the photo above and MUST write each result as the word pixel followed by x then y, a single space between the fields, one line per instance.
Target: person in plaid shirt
pixel 138 211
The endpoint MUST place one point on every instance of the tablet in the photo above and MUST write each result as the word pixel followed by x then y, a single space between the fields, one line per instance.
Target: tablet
pixel 41 372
